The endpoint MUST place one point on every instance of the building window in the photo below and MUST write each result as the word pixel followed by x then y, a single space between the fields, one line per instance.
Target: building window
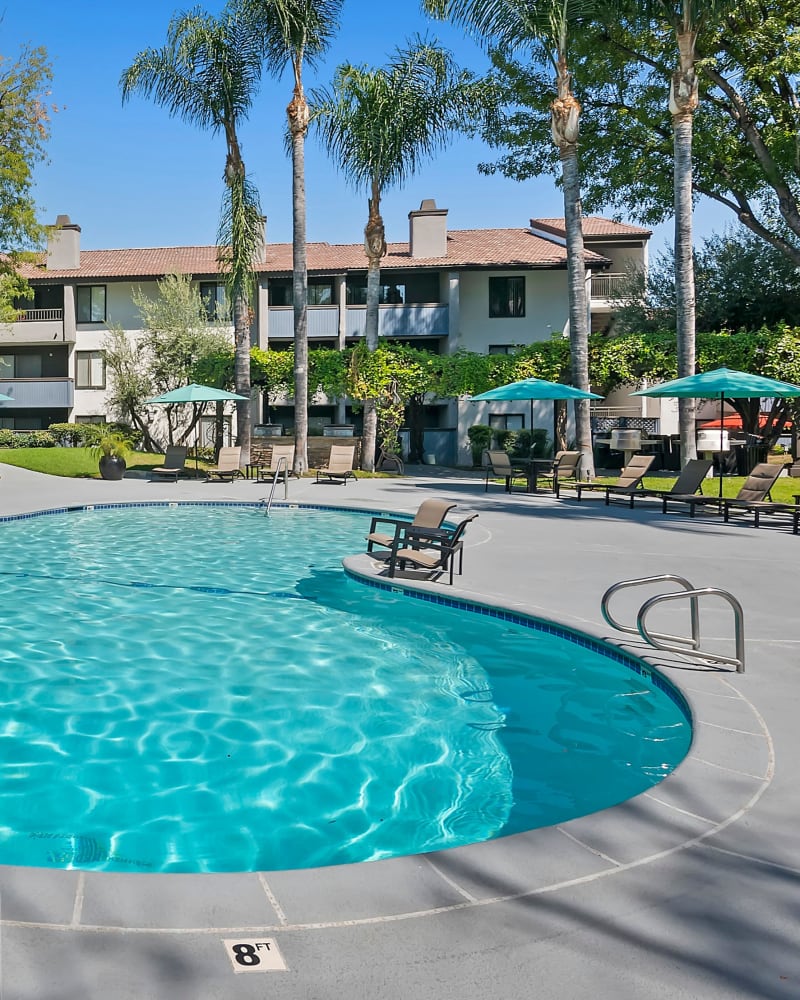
pixel 506 297
pixel 20 366
pixel 215 301
pixel 502 348
pixel 91 419
pixel 507 421
pixel 90 370
pixel 320 294
pixel 91 303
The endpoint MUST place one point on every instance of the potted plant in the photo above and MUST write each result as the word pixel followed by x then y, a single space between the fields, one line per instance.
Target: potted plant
pixel 112 450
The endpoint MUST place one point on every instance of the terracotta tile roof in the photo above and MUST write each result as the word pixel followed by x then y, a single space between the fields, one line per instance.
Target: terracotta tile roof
pixel 499 248
pixel 593 226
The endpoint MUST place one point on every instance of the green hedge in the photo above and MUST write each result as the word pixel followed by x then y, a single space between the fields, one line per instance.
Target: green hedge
pixel 31 439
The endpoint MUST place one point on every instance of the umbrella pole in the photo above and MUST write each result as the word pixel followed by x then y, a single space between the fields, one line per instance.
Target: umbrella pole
pixel 721 437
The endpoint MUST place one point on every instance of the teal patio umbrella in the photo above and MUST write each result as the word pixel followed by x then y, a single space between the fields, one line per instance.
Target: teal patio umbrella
pixel 722 384
pixel 535 389
pixel 195 393
pixel 6 399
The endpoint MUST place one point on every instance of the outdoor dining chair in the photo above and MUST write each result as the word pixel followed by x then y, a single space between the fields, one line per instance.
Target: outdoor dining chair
pixel 430 514
pixel 431 550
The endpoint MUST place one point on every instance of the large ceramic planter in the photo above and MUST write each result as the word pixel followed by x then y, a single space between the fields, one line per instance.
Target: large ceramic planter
pixel 112 467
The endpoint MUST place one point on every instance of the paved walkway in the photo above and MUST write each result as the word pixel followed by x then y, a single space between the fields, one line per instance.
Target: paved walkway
pixel 690 890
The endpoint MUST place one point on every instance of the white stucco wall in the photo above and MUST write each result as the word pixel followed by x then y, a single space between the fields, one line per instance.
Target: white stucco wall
pixel 545 310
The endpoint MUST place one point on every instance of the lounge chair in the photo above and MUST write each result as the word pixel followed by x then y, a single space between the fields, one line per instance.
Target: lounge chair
pixel 174 461
pixel 280 461
pixel 227 467
pixel 688 482
pixel 754 490
pixel 565 469
pixel 630 480
pixel 430 514
pixel 431 550
pixel 501 467
pixel 340 465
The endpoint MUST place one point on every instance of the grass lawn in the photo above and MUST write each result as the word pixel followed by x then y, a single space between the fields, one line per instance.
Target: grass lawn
pixel 75 463
pixel 79 463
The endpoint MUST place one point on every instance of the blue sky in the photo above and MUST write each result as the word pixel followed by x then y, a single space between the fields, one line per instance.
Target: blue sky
pixel 133 177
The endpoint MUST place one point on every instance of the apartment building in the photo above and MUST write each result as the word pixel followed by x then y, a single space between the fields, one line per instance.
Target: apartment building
pixel 484 290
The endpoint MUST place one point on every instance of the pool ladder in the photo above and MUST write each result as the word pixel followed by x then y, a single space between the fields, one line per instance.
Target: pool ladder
pixel 678 643
pixel 282 465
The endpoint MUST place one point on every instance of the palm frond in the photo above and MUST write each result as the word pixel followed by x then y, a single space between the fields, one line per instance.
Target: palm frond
pixel 380 124
pixel 240 236
pixel 292 29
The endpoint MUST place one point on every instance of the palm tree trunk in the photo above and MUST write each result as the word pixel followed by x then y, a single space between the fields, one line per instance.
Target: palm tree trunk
pixel 298 115
pixel 682 104
pixel 241 336
pixel 375 249
pixel 565 116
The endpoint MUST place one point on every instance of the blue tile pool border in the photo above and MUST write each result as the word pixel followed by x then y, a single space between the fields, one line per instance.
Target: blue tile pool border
pixel 602 647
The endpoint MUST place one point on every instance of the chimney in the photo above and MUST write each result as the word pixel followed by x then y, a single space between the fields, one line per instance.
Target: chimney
pixel 427 230
pixel 64 246
pixel 260 255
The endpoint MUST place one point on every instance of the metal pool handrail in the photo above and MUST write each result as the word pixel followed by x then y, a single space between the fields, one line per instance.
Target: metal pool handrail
pixel 282 463
pixel 678 643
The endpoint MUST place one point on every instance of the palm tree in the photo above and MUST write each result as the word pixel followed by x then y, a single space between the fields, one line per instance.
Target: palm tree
pixel 378 125
pixel 538 25
pixel 293 32
pixel 207 74
pixel 686 19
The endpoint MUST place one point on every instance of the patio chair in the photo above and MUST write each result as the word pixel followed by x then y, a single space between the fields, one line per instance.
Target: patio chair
pixel 755 489
pixel 565 468
pixel 501 467
pixel 430 514
pixel 688 483
pixel 431 550
pixel 174 461
pixel 281 461
pixel 630 480
pixel 340 465
pixel 227 467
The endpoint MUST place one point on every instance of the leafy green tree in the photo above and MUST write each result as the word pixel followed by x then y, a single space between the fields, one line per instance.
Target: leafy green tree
pixel 379 125
pixel 176 336
pixel 293 33
pixel 208 74
pixel 24 131
pixel 543 31
pixel 741 284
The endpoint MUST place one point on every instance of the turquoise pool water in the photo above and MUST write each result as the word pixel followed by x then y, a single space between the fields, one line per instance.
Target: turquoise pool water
pixel 202 689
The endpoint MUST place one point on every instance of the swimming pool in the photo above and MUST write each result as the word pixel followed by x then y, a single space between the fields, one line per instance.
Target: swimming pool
pixel 200 688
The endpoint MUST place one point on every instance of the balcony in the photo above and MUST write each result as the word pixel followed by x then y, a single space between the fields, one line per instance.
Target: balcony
pixel 323 323
pixel 401 321
pixel 33 393
pixel 39 326
pixel 607 286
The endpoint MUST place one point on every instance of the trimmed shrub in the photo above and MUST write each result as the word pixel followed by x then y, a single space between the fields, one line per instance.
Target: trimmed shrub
pixel 480 438
pixel 76 435
pixel 34 439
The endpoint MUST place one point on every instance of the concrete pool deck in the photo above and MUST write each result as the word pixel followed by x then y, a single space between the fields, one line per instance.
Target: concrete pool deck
pixel 689 890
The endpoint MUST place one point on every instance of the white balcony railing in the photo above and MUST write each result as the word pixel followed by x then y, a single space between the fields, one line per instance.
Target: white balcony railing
pixel 40 315
pixel 607 286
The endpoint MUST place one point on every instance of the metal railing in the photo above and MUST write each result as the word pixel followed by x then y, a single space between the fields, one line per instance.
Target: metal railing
pixel 607 286
pixel 39 315
pixel 282 465
pixel 678 643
